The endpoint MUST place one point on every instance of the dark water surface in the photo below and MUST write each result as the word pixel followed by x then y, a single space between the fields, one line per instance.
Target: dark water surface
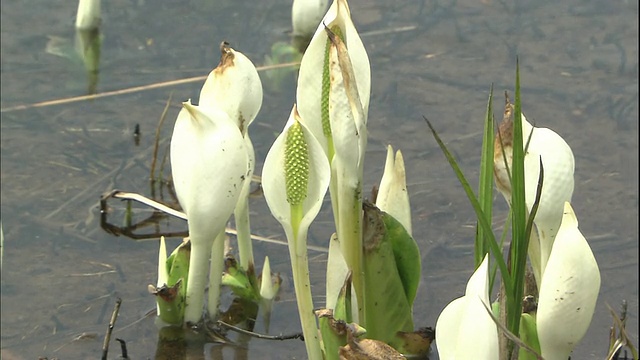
pixel 62 273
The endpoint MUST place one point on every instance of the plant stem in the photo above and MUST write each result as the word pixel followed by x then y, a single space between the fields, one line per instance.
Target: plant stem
pixel 302 284
pixel 243 229
pixel 215 274
pixel 199 262
pixel 519 239
pixel 350 238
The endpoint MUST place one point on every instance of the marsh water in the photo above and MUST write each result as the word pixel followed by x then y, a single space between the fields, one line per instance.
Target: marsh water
pixel 62 273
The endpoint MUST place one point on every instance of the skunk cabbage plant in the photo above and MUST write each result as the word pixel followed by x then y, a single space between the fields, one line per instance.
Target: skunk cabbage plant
pixel 393 197
pixel 546 146
pixel 234 86
pixel 569 290
pixel 333 91
pixel 88 15
pixel 209 167
pixel 465 329
pixel 295 178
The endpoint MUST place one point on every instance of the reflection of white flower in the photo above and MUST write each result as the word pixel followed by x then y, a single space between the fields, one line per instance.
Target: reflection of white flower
pixel 569 290
pixel 209 167
pixel 464 329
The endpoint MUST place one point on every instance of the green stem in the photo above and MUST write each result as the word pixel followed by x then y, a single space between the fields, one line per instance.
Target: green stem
pixel 302 284
pixel 519 239
pixel 197 280
pixel 243 229
pixel 350 237
pixel 215 274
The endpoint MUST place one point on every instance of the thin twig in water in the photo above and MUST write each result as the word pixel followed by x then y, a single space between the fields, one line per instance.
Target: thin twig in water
pixel 123 348
pixel 112 323
pixel 131 90
pixel 179 214
pixel 261 336
pixel 157 139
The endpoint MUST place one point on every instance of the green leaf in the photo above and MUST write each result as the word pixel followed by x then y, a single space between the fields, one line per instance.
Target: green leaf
pixel 406 254
pixel 239 281
pixel 485 184
pixel 522 220
pixel 171 297
pixel 343 305
pixel 386 313
pixel 334 334
pixel 529 336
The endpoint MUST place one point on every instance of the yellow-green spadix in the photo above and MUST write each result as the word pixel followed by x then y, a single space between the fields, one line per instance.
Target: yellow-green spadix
pixel 314 84
pixel 295 178
pixel 209 167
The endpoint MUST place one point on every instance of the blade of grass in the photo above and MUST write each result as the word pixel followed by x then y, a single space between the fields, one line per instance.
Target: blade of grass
pixel 485 184
pixel 522 222
pixel 519 219
pixel 482 219
pixel 503 237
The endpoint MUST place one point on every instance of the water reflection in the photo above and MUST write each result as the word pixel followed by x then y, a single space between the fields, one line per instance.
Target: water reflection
pixel 62 272
pixel 84 52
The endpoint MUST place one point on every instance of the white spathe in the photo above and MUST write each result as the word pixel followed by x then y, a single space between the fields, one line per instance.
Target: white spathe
pixel 163 274
pixel 569 291
pixel 310 91
pixel 209 167
pixel 295 205
pixel 234 86
pixel 393 197
pixel 558 162
pixel 274 185
pixel 267 290
pixel 464 329
pixel 306 15
pixel 346 115
pixel 88 15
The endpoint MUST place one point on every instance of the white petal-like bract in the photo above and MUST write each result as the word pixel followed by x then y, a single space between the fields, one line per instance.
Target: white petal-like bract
pixel 209 167
pixel 569 291
pixel 464 329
